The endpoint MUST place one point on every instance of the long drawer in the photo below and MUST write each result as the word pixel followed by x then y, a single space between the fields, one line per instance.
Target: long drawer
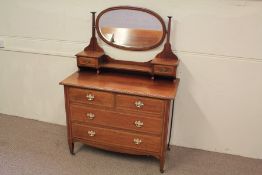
pixel 115 137
pixel 94 97
pixel 136 122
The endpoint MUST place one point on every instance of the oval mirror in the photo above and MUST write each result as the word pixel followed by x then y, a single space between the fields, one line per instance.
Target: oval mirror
pixel 131 28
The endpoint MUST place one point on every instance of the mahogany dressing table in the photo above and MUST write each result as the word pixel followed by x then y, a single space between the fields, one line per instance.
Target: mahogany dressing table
pixel 123 106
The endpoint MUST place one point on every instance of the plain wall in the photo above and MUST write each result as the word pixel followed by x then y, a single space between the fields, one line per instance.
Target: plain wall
pixel 219 43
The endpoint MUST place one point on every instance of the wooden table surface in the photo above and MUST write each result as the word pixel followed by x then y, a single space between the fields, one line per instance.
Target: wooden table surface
pixel 124 83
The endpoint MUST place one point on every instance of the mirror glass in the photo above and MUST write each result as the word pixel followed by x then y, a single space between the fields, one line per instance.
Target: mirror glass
pixel 131 29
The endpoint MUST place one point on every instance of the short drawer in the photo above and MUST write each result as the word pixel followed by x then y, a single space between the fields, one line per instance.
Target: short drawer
pixel 94 97
pixel 88 62
pixel 138 122
pixel 139 103
pixel 115 137
pixel 164 70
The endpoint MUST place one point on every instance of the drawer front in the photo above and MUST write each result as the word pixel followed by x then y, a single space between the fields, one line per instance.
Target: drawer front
pixel 164 70
pixel 85 61
pixel 114 137
pixel 91 97
pixel 143 123
pixel 139 103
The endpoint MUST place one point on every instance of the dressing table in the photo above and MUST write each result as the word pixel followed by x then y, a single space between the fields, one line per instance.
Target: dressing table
pixel 123 106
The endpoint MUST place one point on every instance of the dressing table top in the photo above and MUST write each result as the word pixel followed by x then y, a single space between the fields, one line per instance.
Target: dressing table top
pixel 124 83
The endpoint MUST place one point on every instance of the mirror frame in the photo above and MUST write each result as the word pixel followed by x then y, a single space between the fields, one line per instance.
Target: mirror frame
pixel 154 14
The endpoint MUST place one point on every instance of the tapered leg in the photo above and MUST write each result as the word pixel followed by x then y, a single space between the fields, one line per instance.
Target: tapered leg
pixel 162 164
pixel 71 147
pixel 168 147
pixel 170 129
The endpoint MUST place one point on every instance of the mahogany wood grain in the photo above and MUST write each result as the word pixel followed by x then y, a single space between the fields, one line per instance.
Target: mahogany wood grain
pixel 93 50
pixel 166 56
pixel 114 125
pixel 99 98
pixel 163 61
pixel 111 97
pixel 117 148
pixel 124 83
pixel 116 137
pixel 166 110
pixel 108 62
pixel 86 61
pixel 164 70
pixel 151 123
pixel 129 67
pixel 91 54
pixel 167 52
pixel 93 46
pixel 68 122
pixel 127 102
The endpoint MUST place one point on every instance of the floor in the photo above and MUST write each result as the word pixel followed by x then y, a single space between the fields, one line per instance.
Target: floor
pixel 29 147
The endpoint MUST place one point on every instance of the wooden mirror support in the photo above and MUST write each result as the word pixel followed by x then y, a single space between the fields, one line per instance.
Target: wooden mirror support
pixel 91 56
pixel 163 65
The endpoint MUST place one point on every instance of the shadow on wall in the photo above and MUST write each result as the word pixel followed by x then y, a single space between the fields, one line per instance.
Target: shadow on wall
pixel 191 126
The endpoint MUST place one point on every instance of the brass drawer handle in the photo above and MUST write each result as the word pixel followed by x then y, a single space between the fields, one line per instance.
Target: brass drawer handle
pixel 138 123
pixel 139 104
pixel 137 141
pixel 90 115
pixel 91 133
pixel 90 97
